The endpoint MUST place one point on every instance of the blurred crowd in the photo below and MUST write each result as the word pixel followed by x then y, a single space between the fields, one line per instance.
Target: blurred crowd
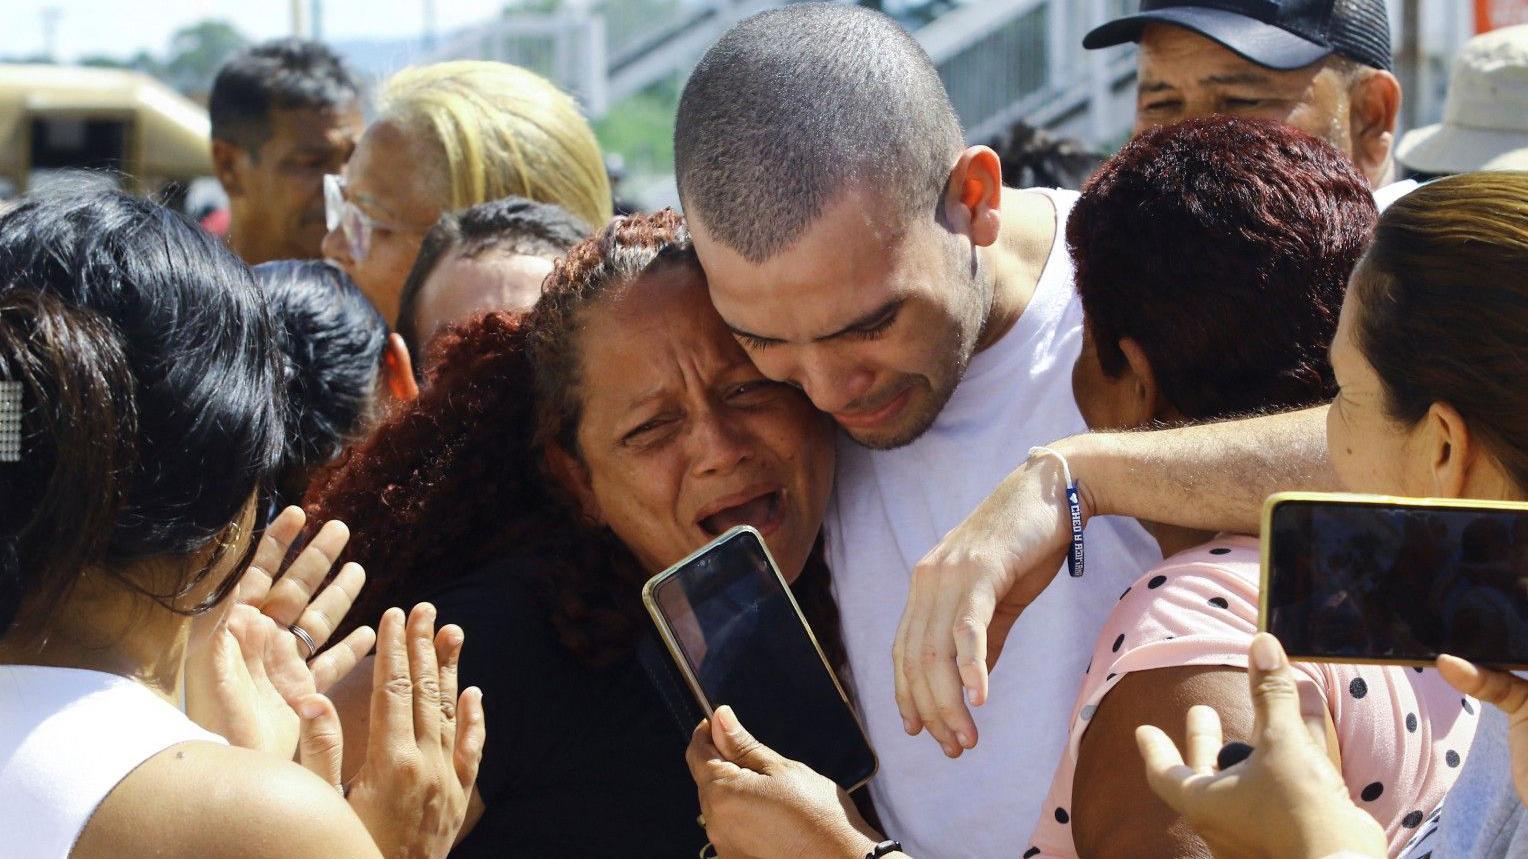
pixel 326 536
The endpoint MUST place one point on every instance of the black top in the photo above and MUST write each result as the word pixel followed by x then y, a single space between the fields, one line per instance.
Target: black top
pixel 579 761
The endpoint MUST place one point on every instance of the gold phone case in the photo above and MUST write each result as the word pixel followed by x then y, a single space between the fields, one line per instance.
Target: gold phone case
pixel 667 633
pixel 1266 532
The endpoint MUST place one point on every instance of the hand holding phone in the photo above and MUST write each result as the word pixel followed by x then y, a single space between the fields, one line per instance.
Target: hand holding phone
pixel 737 635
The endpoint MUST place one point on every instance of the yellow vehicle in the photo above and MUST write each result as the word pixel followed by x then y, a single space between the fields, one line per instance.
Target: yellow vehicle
pixel 60 118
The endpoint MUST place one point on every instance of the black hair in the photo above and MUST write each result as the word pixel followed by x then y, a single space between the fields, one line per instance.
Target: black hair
pixel 144 353
pixel 281 74
pixel 513 225
pixel 794 106
pixel 331 340
pixel 1033 158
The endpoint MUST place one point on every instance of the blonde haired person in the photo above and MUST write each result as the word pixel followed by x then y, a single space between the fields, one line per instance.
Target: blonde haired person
pixel 446 137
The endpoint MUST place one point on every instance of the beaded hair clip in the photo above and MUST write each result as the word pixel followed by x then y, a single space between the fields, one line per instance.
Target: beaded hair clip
pixel 10 421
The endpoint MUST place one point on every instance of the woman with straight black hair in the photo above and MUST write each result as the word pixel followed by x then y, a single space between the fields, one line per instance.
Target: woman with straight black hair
pixel 138 418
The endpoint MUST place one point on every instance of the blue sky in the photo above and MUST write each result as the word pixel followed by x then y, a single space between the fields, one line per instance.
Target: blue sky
pixel 123 27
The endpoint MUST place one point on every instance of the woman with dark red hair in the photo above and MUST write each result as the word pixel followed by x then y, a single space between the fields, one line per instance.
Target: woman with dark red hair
pixel 554 462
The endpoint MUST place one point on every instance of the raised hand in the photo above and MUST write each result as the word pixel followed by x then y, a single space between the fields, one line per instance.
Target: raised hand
pixel 1284 800
pixel 230 688
pixel 426 741
pixel 758 804
pixel 1505 692
pixel 967 593
pixel 295 596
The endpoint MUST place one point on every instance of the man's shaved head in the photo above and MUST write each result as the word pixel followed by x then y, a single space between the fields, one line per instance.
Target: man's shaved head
pixel 794 106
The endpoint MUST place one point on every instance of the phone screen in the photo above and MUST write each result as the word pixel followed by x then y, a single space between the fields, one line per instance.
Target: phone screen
pixel 1395 582
pixel 744 642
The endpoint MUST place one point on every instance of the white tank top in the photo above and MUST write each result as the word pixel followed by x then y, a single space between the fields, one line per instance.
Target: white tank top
pixel 67 737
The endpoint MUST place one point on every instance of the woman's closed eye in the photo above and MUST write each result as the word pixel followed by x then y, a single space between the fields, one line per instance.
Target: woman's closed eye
pixel 755 392
pixel 650 431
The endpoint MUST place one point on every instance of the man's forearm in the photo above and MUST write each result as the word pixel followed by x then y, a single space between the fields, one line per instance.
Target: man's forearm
pixel 1212 477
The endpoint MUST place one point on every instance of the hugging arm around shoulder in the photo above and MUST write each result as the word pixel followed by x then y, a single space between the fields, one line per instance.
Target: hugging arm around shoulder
pixel 1211 477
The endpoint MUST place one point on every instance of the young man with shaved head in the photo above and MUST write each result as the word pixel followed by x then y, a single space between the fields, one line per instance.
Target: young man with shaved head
pixel 861 251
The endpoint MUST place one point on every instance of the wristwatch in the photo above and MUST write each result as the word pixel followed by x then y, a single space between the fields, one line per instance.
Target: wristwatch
pixel 883 849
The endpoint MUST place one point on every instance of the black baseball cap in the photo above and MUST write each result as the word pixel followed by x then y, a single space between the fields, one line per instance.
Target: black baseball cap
pixel 1275 34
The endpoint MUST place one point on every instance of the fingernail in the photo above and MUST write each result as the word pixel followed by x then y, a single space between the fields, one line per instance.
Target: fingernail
pixel 309 710
pixel 960 737
pixel 1266 653
pixel 726 718
pixel 970 697
pixel 909 727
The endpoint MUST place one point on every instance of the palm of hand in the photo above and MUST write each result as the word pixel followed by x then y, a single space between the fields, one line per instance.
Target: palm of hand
pixel 251 674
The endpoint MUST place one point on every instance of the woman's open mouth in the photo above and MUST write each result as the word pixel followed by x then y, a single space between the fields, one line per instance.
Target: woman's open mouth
pixel 761 509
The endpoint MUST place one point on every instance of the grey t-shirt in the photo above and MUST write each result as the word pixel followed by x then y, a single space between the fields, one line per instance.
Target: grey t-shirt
pixel 1483 818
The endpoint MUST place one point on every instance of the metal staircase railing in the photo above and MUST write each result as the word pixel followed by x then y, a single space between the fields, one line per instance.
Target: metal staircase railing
pixel 1001 60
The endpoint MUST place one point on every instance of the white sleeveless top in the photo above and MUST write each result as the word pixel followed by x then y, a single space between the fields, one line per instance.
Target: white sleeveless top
pixel 67 737
pixel 889 507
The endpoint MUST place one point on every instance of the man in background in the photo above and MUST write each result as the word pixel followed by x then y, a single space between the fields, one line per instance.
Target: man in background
pixel 284 113
pixel 1322 66
pixel 1485 116
pixel 492 256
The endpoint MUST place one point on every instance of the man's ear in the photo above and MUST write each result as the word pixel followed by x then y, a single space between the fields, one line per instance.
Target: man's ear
pixel 225 166
pixel 1374 105
pixel 574 479
pixel 973 197
pixel 1146 404
pixel 398 370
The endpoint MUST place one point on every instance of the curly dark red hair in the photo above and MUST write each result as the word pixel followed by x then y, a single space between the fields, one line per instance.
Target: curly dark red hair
pixel 458 478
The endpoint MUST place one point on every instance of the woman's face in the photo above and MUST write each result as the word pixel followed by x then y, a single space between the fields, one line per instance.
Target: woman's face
pixel 1369 451
pixel 683 438
pixel 391 180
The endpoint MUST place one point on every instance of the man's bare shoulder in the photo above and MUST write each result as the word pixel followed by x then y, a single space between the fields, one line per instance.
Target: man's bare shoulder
pixel 1030 227
pixel 205 799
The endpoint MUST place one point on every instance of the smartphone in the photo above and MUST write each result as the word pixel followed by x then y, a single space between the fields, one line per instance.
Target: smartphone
pixel 1366 578
pixel 737 635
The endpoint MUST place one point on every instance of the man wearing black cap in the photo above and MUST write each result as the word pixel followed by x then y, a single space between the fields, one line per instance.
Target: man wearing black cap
pixel 1322 66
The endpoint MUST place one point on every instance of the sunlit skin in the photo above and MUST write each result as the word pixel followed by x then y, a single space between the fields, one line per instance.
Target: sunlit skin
pixel 276 194
pixel 1182 75
pixel 682 437
pixel 875 318
pixel 1437 457
pixel 396 178
pixel 1370 451
pixel 459 288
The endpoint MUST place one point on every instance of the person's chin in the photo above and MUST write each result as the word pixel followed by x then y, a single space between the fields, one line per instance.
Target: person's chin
pixel 911 422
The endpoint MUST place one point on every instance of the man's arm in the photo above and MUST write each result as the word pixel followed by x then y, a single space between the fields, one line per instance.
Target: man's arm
pixel 968 592
pixel 1210 477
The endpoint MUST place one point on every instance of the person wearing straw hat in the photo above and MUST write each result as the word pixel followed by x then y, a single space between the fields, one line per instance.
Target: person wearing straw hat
pixel 1485 115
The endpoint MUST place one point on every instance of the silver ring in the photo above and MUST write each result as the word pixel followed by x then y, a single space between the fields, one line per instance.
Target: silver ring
pixel 306 639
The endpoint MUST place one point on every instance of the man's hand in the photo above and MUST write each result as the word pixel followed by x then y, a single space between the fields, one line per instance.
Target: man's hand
pixel 757 804
pixel 1285 800
pixel 967 593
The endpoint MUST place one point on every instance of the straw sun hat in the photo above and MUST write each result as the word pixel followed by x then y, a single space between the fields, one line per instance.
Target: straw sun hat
pixel 1485 115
